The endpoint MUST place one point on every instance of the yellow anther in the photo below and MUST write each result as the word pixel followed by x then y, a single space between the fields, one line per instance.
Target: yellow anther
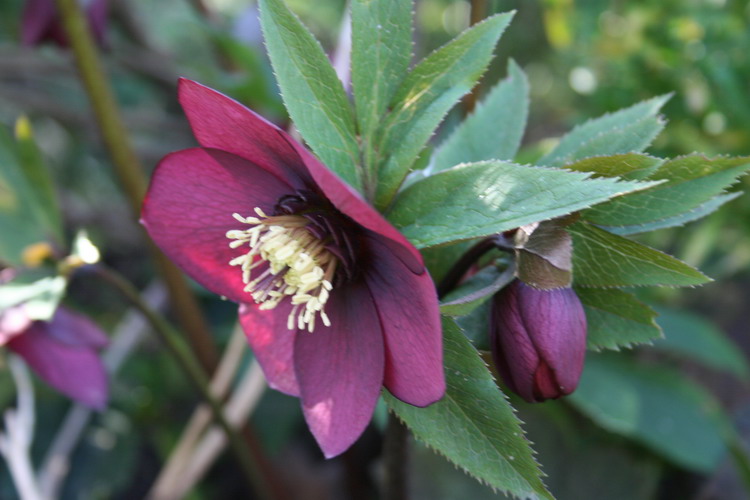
pixel 299 266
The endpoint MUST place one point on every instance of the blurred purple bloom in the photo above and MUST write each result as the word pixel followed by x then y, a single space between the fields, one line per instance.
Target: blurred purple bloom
pixel 62 351
pixel 538 340
pixel 41 22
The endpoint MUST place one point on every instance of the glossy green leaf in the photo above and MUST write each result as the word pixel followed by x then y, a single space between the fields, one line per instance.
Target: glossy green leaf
pixel 381 53
pixel 602 259
pixel 624 131
pixel 689 182
pixel 474 426
pixel 694 337
pixel 655 405
pixel 617 319
pixel 495 128
pixel 475 291
pixel 427 94
pixel 678 220
pixel 312 92
pixel 479 199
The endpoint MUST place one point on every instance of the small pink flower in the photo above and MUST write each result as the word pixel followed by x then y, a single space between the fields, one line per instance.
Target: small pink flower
pixel 334 301
pixel 40 21
pixel 538 340
pixel 62 351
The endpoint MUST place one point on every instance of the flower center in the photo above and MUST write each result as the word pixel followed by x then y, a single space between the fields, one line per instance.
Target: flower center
pixel 299 266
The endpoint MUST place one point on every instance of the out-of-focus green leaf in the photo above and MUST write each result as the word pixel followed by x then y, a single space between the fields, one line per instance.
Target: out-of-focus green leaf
pixel 311 90
pixel 40 295
pixel 495 128
pixel 654 405
pixel 427 94
pixel 474 426
pixel 479 199
pixel 28 211
pixel 678 220
pixel 617 319
pixel 624 131
pixel 38 177
pixel 689 182
pixel 691 336
pixel 602 259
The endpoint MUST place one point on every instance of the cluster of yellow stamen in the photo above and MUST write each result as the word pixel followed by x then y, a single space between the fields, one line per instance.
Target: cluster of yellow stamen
pixel 299 266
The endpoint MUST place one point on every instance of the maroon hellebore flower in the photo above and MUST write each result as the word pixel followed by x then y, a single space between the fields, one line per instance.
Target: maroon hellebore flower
pixel 335 302
pixel 62 351
pixel 41 22
pixel 538 340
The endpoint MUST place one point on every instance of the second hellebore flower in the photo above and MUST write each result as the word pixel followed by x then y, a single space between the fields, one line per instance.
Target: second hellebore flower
pixel 538 340
pixel 62 351
pixel 334 301
pixel 41 22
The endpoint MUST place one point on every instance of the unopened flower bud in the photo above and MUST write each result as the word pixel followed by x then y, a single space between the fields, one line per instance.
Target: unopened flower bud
pixel 538 340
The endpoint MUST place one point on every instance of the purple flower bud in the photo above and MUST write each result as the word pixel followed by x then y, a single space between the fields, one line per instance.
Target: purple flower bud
pixel 538 340
pixel 41 22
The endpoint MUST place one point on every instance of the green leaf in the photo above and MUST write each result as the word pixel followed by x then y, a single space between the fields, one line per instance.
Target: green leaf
pixel 602 259
pixel 692 336
pixel 427 94
pixel 39 178
pixel 495 128
pixel 629 166
pixel 617 319
pixel 39 294
pixel 381 53
pixel 479 199
pixel 475 291
pixel 678 220
pixel 690 181
pixel 25 213
pixel 654 405
pixel 628 130
pixel 312 92
pixel 474 426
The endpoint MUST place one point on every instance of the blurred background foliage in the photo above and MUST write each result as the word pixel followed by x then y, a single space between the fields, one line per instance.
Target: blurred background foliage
pixel 658 423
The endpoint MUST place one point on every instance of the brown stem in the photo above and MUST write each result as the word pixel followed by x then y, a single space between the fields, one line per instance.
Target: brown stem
pixel 478 12
pixel 395 454
pixel 130 172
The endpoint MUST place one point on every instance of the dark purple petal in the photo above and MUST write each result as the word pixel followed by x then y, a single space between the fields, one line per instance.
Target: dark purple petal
pixel 96 12
pixel 37 18
pixel 512 350
pixel 76 330
pixel 538 340
pixel 222 123
pixel 340 369
pixel 272 343
pixel 75 371
pixel 557 327
pixel 189 207
pixel 349 202
pixel 408 309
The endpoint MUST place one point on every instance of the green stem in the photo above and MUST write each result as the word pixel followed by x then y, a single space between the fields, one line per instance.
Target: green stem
pixel 130 172
pixel 190 365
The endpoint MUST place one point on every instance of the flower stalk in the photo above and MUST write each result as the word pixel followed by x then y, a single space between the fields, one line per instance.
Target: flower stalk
pixel 192 368
pixel 130 172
